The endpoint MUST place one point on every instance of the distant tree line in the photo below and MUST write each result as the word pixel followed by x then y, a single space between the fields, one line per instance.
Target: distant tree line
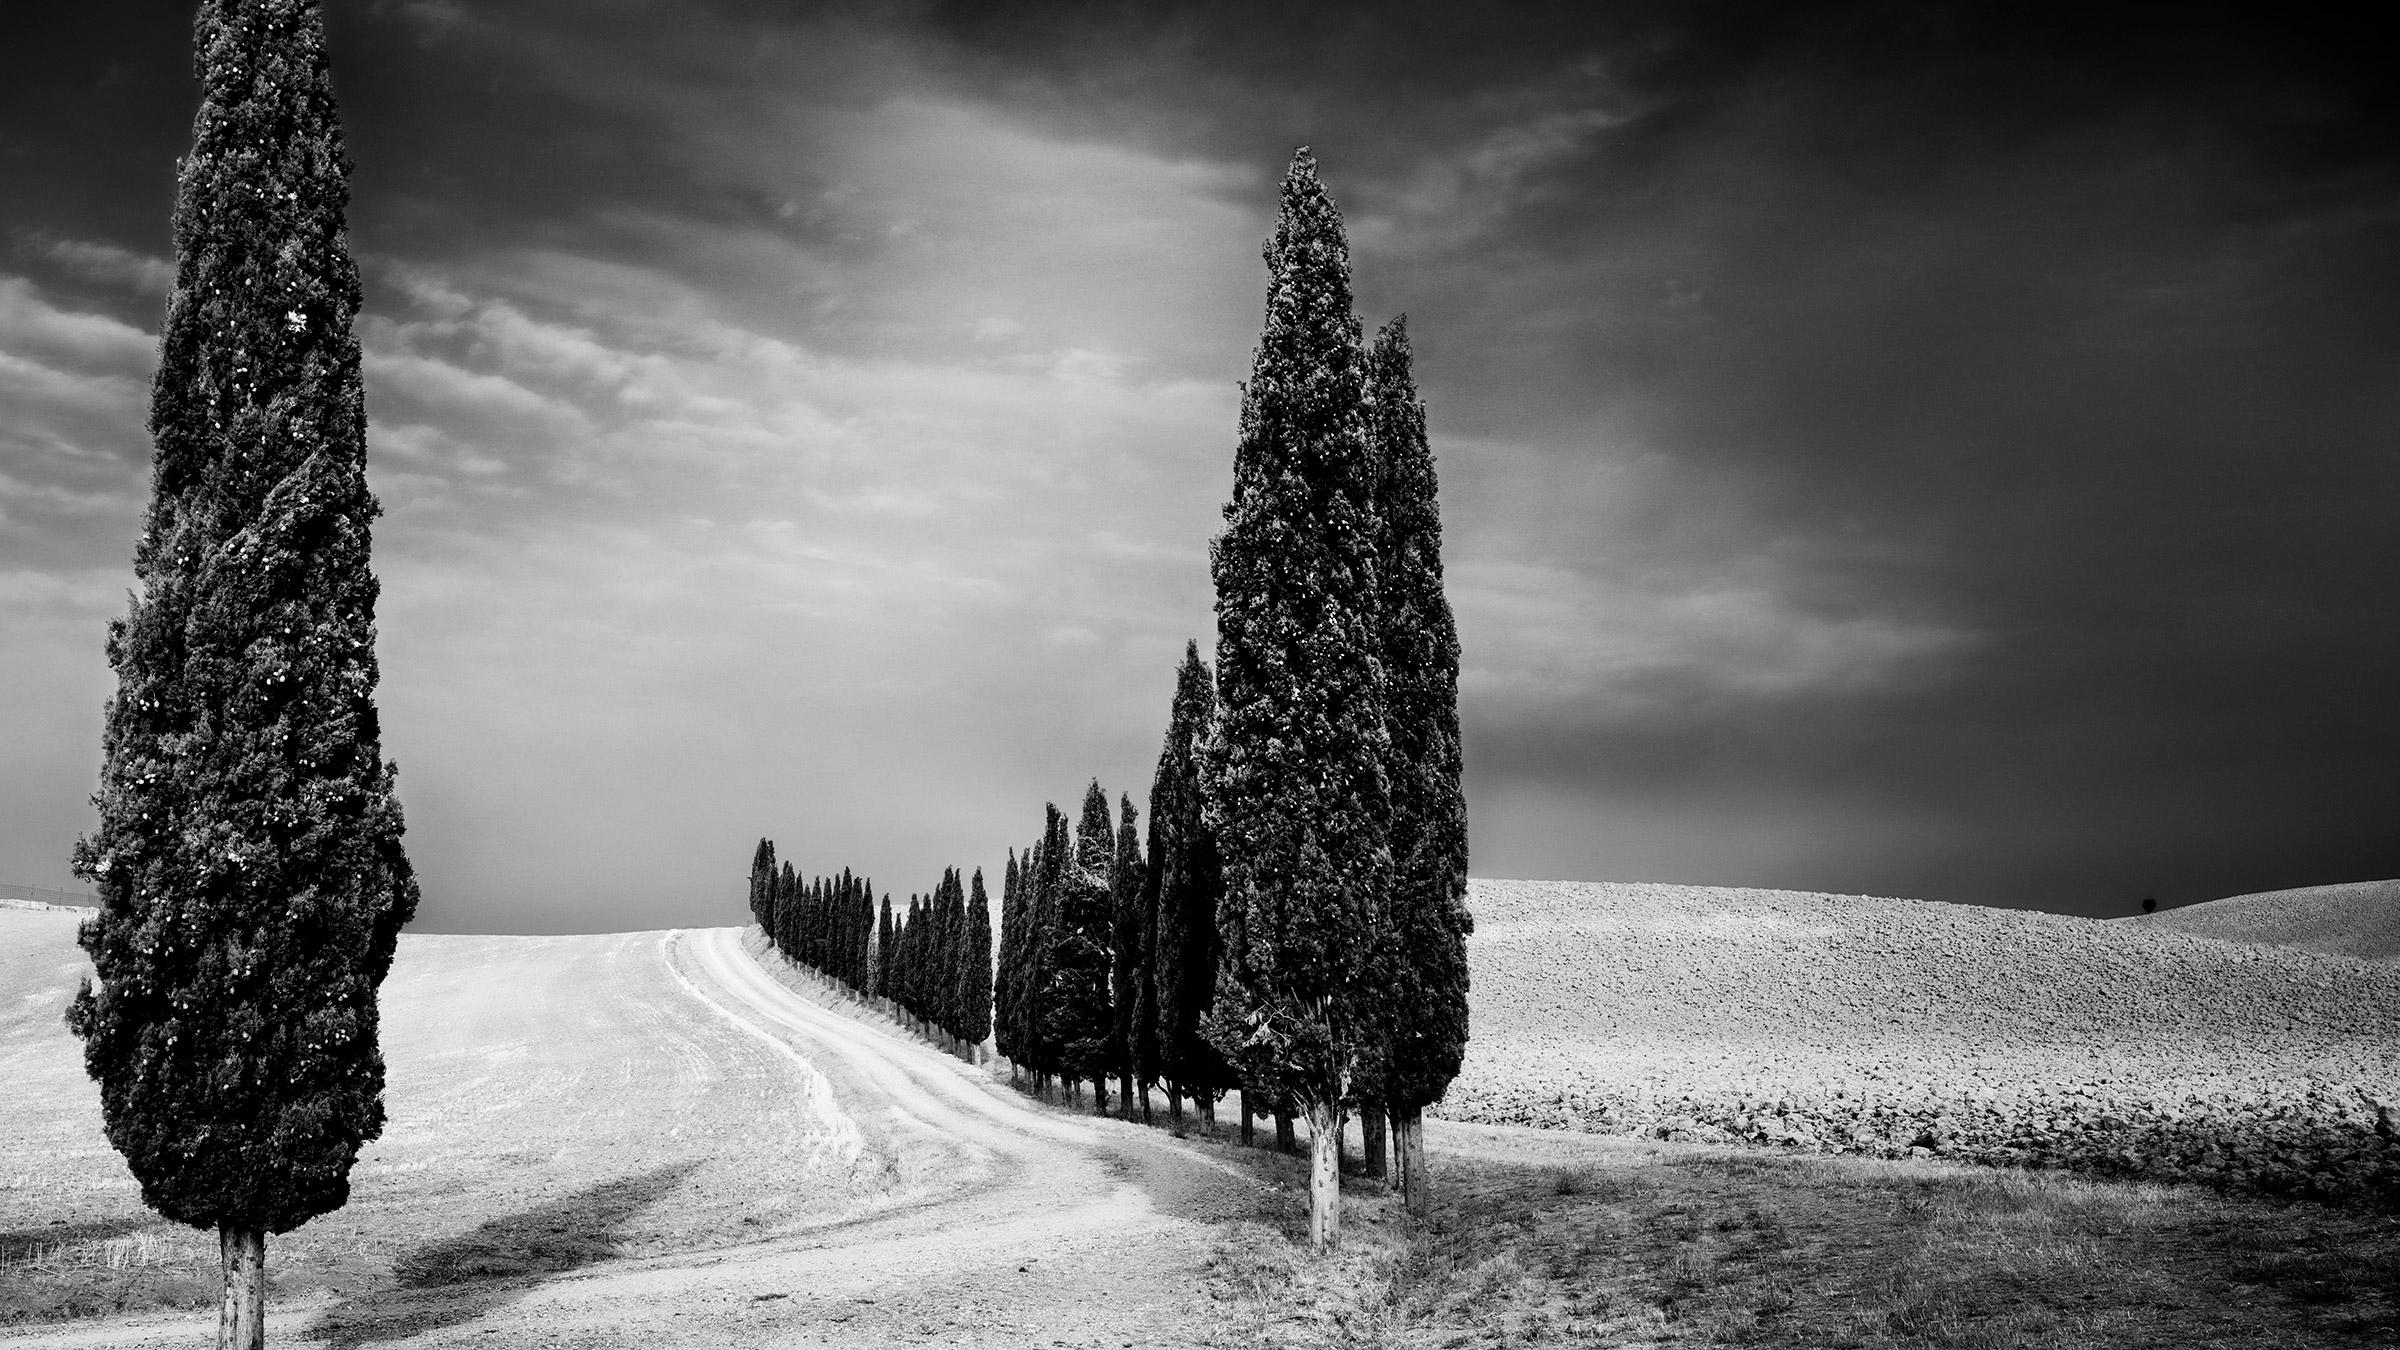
pixel 932 964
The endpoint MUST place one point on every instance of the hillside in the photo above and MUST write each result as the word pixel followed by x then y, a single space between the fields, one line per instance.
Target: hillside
pixel 1883 1025
pixel 2359 919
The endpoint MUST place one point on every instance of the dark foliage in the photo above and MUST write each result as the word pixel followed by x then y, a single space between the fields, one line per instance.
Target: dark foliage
pixel 1079 1022
pixel 1294 779
pixel 1423 964
pixel 1185 883
pixel 1129 954
pixel 248 853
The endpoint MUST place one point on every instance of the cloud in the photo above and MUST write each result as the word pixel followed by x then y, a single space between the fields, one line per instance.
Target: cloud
pixel 143 275
pixel 1942 453
pixel 1593 648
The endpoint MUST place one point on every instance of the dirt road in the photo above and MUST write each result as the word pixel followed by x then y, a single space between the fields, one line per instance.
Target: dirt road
pixel 1021 1225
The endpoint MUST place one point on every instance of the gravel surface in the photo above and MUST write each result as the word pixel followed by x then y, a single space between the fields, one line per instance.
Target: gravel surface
pixel 1892 1027
pixel 2360 918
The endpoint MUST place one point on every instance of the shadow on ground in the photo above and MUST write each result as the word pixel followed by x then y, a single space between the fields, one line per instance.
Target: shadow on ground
pixel 462 1278
pixel 27 1244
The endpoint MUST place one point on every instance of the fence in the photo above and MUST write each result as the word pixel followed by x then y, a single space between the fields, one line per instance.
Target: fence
pixel 44 895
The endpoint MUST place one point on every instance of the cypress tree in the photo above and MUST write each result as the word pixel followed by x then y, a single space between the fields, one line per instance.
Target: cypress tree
pixel 855 935
pixel 975 970
pixel 762 878
pixel 787 912
pixel 1081 1024
pixel 248 854
pixel 953 955
pixel 837 906
pixel 1128 957
pixel 929 954
pixel 1012 930
pixel 862 935
pixel 954 960
pixel 1423 965
pixel 1295 777
pixel 1185 883
pixel 883 951
pixel 1036 996
pixel 912 958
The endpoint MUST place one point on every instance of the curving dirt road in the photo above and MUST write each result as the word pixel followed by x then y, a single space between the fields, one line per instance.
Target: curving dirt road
pixel 1023 1226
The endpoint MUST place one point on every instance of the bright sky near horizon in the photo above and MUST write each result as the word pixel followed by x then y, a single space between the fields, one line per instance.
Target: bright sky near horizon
pixel 1891 449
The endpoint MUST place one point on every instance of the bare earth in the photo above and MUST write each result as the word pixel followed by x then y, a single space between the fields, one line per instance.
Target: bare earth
pixel 2358 918
pixel 910 1198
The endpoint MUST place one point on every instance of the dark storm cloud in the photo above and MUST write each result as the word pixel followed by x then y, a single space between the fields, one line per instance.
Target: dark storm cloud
pixel 1936 450
pixel 2066 334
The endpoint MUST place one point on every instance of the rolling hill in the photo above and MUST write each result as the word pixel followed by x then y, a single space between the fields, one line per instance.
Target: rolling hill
pixel 2359 918
pixel 1856 1023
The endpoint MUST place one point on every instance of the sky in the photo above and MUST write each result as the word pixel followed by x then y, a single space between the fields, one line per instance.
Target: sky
pixel 1927 450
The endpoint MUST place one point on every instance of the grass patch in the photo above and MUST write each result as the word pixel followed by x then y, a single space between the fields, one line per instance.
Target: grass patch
pixel 1701 1248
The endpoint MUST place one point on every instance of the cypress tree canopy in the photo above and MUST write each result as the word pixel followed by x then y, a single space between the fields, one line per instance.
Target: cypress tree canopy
pixel 1004 977
pixel 1294 779
pixel 1185 884
pixel 1051 863
pixel 1080 1021
pixel 976 971
pixel 248 854
pixel 1425 962
pixel 1128 951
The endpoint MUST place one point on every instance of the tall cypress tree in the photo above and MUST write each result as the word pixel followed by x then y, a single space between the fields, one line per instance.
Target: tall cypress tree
pixel 975 970
pixel 883 950
pixel 862 934
pixel 1081 1024
pixel 1424 963
pixel 1035 996
pixel 762 879
pixel 933 974
pixel 1012 930
pixel 1295 777
pixel 954 960
pixel 787 912
pixel 248 854
pixel 1185 883
pixel 1128 958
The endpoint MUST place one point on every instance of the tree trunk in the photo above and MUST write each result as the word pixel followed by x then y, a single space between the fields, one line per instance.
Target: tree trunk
pixel 1324 1175
pixel 1285 1140
pixel 242 1319
pixel 1099 1094
pixel 1208 1114
pixel 1147 1118
pixel 1370 1130
pixel 1415 1184
pixel 1174 1103
pixel 1248 1116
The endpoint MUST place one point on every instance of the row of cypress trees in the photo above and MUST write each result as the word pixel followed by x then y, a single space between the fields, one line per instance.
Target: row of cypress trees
pixel 1087 989
pixel 824 923
pixel 936 961
pixel 932 963
pixel 1297 924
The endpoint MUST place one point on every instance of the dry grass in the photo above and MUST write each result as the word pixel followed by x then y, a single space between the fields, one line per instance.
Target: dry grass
pixel 1673 1247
